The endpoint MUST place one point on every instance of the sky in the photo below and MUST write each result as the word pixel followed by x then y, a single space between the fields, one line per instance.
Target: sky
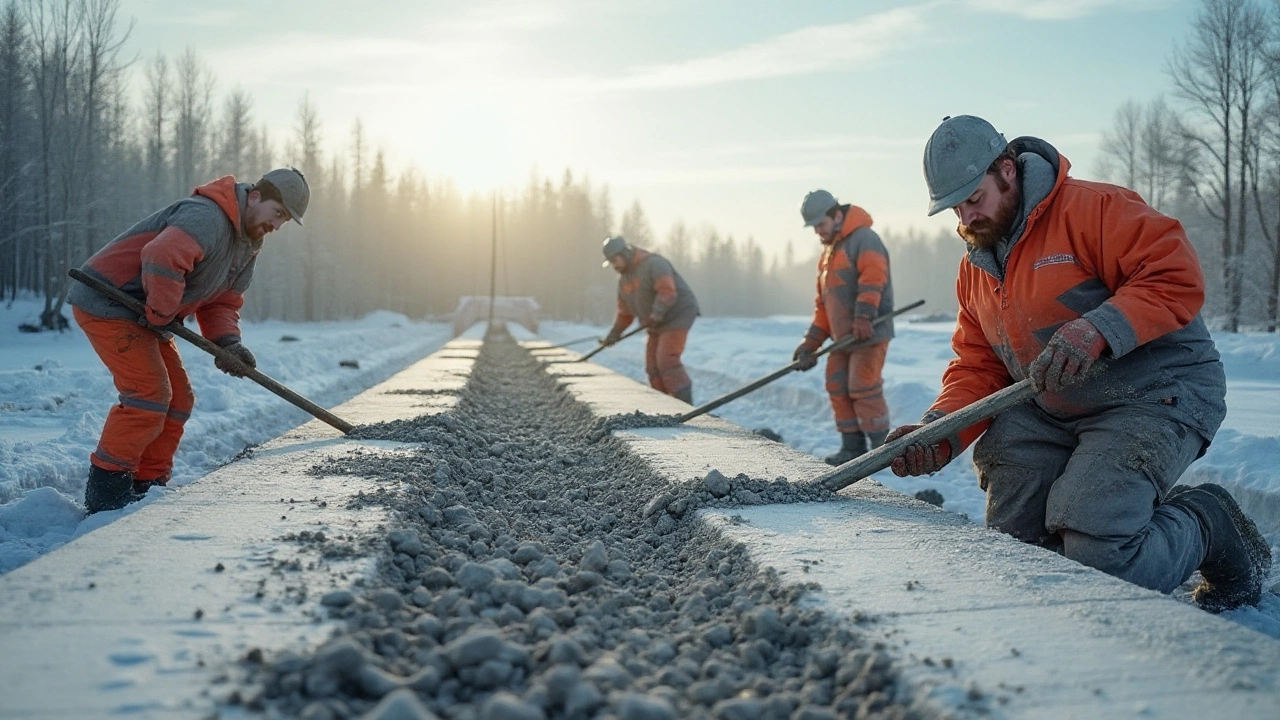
pixel 720 113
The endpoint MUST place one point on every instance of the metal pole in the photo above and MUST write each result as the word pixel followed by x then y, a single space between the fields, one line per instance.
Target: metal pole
pixel 493 262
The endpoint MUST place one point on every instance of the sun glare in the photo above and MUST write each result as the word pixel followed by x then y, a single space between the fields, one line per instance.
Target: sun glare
pixel 477 144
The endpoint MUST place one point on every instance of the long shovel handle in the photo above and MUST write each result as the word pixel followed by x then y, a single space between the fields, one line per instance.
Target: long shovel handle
pixel 626 335
pixel 201 342
pixel 940 429
pixel 751 387
pixel 572 342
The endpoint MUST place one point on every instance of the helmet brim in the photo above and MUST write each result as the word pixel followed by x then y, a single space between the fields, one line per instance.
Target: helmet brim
pixel 955 197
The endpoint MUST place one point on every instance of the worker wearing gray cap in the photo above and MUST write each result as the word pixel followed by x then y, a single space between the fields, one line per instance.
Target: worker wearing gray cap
pixel 854 286
pixel 651 291
pixel 193 258
pixel 1095 296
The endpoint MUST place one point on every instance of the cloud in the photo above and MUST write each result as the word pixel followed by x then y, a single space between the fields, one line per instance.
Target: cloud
pixel 812 49
pixel 1058 9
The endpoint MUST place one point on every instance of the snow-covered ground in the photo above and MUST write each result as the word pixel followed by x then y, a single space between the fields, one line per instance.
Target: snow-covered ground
pixel 54 395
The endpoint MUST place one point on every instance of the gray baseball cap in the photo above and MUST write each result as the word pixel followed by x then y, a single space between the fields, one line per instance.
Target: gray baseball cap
pixel 613 245
pixel 815 206
pixel 956 157
pixel 294 191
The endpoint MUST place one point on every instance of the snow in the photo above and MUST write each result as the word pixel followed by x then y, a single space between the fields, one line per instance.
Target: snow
pixel 54 395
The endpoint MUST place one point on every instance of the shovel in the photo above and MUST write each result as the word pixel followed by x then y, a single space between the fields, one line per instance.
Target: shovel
pixel 844 344
pixel 944 427
pixel 208 346
pixel 572 342
pixel 591 354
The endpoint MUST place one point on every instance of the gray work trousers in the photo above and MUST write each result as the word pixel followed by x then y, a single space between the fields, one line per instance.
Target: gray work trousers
pixel 1092 489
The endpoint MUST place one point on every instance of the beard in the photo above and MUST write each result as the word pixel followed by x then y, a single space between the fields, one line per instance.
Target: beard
pixel 987 232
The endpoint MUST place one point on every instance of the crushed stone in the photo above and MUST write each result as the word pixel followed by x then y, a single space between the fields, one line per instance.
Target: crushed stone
pixel 539 569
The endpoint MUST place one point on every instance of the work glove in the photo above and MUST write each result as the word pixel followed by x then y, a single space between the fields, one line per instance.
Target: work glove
pixel 919 458
pixel 242 354
pixel 804 356
pixel 1070 353
pixel 611 339
pixel 862 328
pixel 158 329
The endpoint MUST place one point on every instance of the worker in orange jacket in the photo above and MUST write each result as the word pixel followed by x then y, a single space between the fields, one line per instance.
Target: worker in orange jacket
pixel 854 287
pixel 1095 296
pixel 650 290
pixel 194 257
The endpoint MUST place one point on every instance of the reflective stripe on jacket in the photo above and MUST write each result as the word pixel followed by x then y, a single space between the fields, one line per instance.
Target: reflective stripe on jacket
pixel 651 289
pixel 1097 251
pixel 853 281
pixel 188 258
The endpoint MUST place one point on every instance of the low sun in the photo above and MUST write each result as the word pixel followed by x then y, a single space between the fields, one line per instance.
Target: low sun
pixel 476 144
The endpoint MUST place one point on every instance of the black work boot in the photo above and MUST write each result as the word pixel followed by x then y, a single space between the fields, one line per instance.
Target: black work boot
pixel 1237 560
pixel 876 439
pixel 685 394
pixel 852 444
pixel 108 490
pixel 140 487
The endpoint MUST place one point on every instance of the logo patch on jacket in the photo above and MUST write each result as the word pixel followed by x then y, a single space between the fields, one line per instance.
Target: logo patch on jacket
pixel 1059 259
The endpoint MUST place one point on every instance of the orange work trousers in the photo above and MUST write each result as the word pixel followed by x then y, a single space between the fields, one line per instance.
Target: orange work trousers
pixel 662 361
pixel 857 390
pixel 142 431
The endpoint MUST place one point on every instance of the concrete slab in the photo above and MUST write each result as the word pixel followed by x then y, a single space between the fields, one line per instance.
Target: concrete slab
pixel 229 563
pixel 979 619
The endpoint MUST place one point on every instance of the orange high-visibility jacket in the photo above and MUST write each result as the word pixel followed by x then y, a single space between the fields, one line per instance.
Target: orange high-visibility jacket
pixel 654 292
pixel 853 280
pixel 1097 251
pixel 190 257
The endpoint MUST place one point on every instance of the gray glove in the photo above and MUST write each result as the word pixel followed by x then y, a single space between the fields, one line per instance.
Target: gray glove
pixel 241 354
pixel 804 357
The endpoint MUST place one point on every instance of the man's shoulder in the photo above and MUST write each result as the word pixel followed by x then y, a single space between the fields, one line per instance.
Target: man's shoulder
pixel 1093 190
pixel 866 234
pixel 201 218
pixel 655 261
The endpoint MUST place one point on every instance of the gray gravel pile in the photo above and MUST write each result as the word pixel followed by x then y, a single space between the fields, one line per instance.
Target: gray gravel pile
pixel 534 574
pixel 606 426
